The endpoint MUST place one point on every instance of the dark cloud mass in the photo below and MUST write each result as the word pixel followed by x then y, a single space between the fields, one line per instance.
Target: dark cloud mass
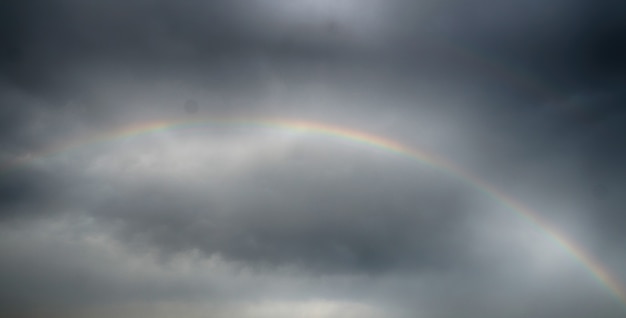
pixel 253 220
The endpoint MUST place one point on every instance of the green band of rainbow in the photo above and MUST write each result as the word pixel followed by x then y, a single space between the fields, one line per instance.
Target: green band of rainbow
pixel 597 270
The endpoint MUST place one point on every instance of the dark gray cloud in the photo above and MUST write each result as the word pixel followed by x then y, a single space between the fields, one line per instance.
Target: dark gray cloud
pixel 23 190
pixel 321 214
pixel 255 222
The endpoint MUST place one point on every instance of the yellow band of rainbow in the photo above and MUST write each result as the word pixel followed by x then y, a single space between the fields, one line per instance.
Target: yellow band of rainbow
pixel 597 270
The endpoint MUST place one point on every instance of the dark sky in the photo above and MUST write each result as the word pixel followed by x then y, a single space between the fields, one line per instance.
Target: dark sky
pixel 247 221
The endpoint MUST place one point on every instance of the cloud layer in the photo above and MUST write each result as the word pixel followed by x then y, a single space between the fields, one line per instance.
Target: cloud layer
pixel 246 220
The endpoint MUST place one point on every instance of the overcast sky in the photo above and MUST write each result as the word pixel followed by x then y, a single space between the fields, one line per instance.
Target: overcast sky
pixel 253 221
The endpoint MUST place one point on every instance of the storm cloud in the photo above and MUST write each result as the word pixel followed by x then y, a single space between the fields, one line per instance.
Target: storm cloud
pixel 104 213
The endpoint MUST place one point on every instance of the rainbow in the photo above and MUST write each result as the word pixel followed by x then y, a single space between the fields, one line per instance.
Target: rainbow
pixel 595 268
